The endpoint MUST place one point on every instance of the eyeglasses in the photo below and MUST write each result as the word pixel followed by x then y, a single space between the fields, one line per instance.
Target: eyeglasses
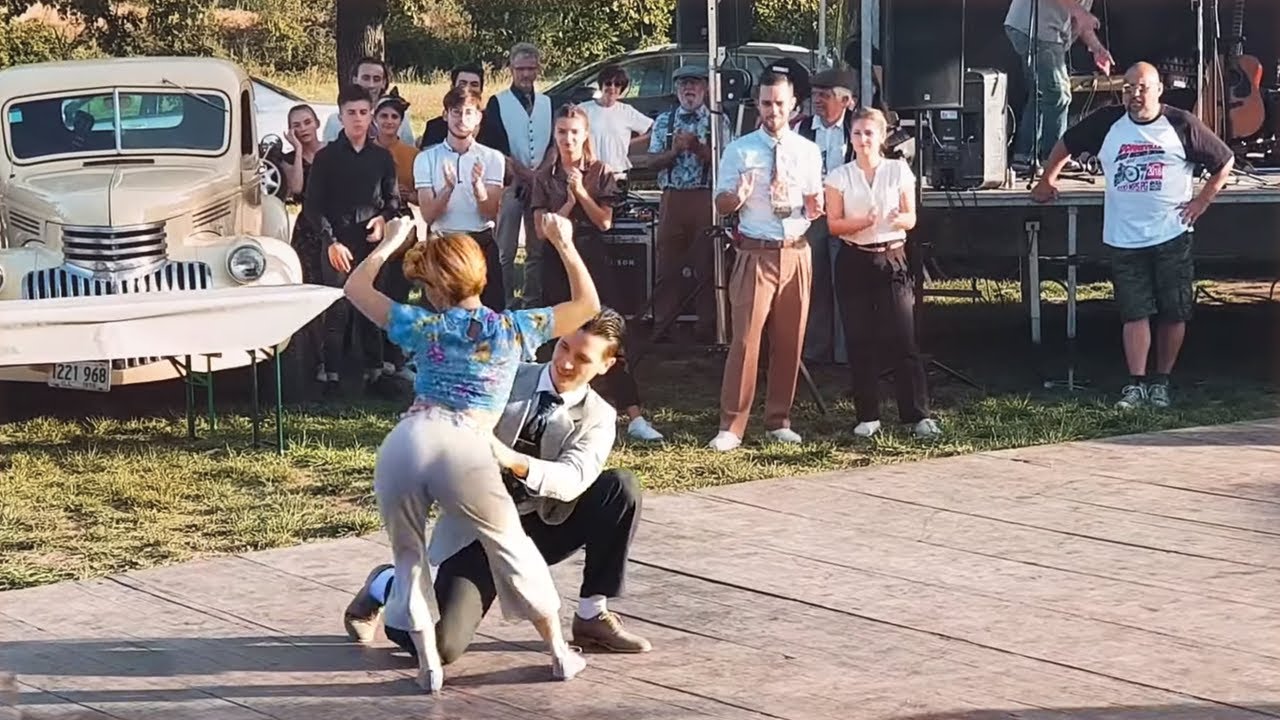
pixel 614 83
pixel 1137 89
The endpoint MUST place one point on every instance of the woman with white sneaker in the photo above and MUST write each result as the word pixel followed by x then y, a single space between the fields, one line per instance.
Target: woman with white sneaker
pixel 871 206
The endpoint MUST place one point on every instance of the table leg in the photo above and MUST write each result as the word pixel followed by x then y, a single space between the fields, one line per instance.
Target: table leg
pixel 256 400
pixel 1073 213
pixel 1033 274
pixel 281 442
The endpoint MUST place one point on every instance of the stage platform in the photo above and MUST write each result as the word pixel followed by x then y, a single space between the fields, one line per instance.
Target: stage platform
pixel 1086 191
pixel 1126 579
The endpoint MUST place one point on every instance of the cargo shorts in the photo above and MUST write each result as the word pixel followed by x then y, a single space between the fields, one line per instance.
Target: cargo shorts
pixel 1156 280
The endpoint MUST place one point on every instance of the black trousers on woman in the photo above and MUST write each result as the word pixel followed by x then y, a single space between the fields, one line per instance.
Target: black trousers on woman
pixel 618 386
pixel 877 304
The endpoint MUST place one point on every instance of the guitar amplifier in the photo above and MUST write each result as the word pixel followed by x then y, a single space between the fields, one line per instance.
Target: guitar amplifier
pixel 970 143
pixel 629 246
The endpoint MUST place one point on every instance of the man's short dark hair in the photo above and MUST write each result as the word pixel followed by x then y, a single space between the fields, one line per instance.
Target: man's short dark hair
pixel 609 325
pixel 459 97
pixel 770 78
pixel 472 68
pixel 371 60
pixel 353 93
pixel 613 72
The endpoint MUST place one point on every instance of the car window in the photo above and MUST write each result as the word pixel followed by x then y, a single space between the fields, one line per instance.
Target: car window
pixel 111 122
pixel 650 77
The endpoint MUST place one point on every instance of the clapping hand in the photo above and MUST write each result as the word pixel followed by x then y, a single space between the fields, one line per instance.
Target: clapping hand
pixel 574 179
pixel 450 175
pixel 746 186
pixel 477 174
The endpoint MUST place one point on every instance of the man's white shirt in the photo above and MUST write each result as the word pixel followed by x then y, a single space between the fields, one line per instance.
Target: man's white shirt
pixel 799 167
pixel 462 214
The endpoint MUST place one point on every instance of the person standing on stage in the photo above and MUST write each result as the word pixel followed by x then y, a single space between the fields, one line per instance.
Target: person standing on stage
pixel 1052 40
pixel 459 185
pixel 578 186
pixel 773 179
pixel 615 126
pixel 871 204
pixel 680 149
pixel 351 196
pixel 373 75
pixel 829 128
pixel 468 76
pixel 1150 154
pixel 517 123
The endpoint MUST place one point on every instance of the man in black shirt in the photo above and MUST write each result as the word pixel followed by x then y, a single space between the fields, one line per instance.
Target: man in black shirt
pixel 351 195
pixel 467 77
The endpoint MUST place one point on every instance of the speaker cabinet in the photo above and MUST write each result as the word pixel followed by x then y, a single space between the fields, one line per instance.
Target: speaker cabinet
pixel 736 20
pixel 969 148
pixel 629 247
pixel 925 54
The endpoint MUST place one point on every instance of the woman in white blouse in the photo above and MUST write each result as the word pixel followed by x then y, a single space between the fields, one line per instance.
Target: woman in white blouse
pixel 615 126
pixel 871 206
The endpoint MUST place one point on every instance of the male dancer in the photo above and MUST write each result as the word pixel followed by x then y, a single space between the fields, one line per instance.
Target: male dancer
pixel 371 74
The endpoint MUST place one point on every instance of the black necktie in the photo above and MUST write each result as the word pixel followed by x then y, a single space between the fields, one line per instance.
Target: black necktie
pixel 530 439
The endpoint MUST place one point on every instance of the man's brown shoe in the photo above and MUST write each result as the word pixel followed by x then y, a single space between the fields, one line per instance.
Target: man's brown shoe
pixel 361 616
pixel 605 632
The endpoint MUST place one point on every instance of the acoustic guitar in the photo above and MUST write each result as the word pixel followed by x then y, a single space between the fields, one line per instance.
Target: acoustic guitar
pixel 1246 111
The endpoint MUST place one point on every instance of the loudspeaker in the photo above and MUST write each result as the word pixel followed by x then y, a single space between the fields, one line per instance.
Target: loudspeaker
pixel 736 19
pixel 629 246
pixel 924 53
pixel 969 148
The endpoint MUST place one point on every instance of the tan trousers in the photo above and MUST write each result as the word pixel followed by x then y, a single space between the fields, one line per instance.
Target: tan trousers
pixel 769 289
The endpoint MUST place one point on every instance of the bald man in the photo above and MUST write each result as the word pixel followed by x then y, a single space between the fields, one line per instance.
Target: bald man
pixel 1150 155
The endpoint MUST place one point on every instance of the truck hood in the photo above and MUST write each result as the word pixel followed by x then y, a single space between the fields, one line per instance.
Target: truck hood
pixel 118 195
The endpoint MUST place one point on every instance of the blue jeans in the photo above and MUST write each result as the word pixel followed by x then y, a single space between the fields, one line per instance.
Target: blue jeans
pixel 1055 94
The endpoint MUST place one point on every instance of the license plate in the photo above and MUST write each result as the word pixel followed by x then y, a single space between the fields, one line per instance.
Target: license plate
pixel 95 376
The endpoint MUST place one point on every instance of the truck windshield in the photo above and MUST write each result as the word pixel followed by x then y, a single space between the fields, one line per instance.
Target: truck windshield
pixel 117 121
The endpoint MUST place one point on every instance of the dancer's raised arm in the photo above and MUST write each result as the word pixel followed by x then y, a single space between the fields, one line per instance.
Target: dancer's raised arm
pixel 584 301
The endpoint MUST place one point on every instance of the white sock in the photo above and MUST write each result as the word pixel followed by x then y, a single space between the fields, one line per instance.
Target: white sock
pixel 592 607
pixel 378 588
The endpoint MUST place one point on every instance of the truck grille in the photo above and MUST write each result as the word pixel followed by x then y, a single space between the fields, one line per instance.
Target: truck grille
pixel 106 250
pixel 62 283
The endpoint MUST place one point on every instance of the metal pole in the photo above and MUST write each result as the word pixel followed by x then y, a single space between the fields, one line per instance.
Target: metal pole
pixel 717 144
pixel 1198 7
pixel 866 88
pixel 822 34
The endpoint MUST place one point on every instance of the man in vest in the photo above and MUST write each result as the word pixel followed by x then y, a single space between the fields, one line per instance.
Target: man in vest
pixel 517 123
pixel 828 127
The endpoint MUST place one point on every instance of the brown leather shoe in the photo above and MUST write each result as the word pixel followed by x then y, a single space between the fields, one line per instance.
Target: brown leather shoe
pixel 361 616
pixel 605 632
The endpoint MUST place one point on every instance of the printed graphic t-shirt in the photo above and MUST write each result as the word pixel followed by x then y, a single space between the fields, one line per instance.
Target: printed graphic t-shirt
pixel 1149 169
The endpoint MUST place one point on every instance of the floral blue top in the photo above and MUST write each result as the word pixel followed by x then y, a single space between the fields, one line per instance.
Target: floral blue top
pixel 462 369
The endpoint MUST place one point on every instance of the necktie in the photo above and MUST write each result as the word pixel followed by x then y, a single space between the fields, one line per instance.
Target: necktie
pixel 530 439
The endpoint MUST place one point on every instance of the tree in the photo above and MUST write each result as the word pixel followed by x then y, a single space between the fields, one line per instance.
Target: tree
pixel 358 27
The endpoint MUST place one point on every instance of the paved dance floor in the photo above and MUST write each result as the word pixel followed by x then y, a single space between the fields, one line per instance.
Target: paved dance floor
pixel 1136 578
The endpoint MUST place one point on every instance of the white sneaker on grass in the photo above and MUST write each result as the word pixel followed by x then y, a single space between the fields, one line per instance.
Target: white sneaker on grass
pixel 927 429
pixel 725 441
pixel 785 435
pixel 866 429
pixel 640 429
pixel 1132 397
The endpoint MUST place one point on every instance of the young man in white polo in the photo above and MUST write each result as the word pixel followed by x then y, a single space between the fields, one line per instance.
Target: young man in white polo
pixel 459 184
pixel 1150 155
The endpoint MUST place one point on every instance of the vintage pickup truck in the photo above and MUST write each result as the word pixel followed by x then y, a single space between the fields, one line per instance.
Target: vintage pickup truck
pixel 133 175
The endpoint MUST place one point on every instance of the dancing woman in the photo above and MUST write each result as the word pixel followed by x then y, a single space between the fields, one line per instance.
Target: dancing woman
pixel 440 451
pixel 871 206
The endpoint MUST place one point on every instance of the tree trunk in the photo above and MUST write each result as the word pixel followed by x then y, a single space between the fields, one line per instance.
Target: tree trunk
pixel 358 30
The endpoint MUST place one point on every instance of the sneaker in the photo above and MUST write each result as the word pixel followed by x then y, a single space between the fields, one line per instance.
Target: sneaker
pixel 866 429
pixel 640 429
pixel 1132 397
pixel 926 429
pixel 605 632
pixel 725 441
pixel 361 616
pixel 1158 395
pixel 567 666
pixel 785 435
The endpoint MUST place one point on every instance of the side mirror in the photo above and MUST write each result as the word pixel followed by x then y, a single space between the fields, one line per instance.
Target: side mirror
pixel 270 144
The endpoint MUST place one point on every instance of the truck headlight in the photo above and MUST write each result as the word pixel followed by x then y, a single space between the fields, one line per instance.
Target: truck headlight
pixel 246 263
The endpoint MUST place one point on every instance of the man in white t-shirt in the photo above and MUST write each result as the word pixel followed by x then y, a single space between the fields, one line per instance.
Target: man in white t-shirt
pixel 373 75
pixel 1150 154
pixel 615 126
pixel 459 184
pixel 772 178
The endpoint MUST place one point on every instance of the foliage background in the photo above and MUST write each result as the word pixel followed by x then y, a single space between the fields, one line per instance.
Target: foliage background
pixel 423 36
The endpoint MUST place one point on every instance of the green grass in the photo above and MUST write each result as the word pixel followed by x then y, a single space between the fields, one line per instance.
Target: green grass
pixel 88 497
